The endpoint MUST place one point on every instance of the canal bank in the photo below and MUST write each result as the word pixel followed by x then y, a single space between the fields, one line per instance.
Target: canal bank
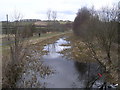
pixel 56 71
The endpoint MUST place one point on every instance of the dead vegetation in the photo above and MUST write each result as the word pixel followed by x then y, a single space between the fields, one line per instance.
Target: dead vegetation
pixel 33 50
pixel 82 53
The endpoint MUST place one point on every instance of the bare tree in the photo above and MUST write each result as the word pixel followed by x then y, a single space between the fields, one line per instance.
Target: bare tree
pixel 17 51
pixel 17 46
pixel 54 15
pixel 97 31
pixel 49 18
pixel 108 30
pixel 88 25
pixel 49 14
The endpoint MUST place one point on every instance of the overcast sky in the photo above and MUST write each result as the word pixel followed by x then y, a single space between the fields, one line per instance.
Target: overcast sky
pixel 36 9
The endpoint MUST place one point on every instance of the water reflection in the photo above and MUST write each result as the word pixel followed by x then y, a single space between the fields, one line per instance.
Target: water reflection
pixel 82 68
pixel 68 73
pixel 55 47
pixel 88 72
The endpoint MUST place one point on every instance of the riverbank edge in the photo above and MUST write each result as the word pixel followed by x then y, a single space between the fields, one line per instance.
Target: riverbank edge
pixel 111 76
pixel 32 41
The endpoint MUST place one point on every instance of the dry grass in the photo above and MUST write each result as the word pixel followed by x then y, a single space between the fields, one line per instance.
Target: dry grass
pixel 65 45
pixel 5 66
pixel 81 53
pixel 11 73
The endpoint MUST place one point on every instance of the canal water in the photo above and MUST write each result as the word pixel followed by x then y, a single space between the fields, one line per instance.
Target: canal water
pixel 67 73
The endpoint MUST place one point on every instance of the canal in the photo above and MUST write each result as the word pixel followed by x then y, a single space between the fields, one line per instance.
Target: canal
pixel 67 73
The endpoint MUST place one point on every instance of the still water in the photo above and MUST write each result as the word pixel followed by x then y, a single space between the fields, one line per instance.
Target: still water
pixel 67 73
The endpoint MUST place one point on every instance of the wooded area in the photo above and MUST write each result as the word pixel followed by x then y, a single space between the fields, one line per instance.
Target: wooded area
pixel 99 31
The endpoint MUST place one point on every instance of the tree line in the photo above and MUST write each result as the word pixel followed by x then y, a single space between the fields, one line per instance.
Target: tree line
pixel 99 31
pixel 101 27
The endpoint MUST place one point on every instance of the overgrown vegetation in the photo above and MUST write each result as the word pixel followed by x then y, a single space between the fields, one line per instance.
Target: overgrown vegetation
pixel 98 32
pixel 16 54
pixel 94 39
pixel 18 35
pixel 14 63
